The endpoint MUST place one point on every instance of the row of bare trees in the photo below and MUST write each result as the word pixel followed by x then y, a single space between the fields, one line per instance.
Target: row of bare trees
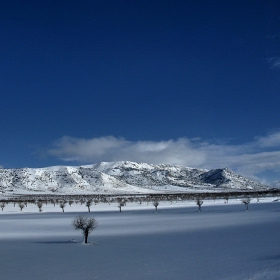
pixel 172 197
pixel 121 202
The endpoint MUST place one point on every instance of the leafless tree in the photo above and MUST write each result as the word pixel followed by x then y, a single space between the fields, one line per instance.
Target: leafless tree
pixel 246 201
pixel 156 204
pixel 170 199
pixel 121 204
pixel 2 205
pixel 199 202
pixel 62 204
pixel 88 204
pixel 21 205
pixel 40 205
pixel 214 197
pixel 86 224
pixel 226 197
pixel 53 202
pixel 147 200
pixel 139 200
pixel 257 197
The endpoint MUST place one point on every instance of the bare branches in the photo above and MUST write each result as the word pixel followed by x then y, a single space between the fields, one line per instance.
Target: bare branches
pixel 88 204
pixel 85 224
pixel 62 204
pixel 2 205
pixel 21 205
pixel 156 204
pixel 40 205
pixel 199 202
pixel 121 202
pixel 246 201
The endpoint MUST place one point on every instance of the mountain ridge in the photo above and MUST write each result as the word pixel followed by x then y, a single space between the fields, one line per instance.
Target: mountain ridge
pixel 122 177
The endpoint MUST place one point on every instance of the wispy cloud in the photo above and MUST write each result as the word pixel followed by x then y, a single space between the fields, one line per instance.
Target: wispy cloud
pixel 274 61
pixel 271 140
pixel 181 151
pixel 249 159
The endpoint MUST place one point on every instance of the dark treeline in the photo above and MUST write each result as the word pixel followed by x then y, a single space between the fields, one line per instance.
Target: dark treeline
pixel 124 198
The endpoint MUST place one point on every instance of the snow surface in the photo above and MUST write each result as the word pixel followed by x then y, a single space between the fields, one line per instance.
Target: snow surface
pixel 222 242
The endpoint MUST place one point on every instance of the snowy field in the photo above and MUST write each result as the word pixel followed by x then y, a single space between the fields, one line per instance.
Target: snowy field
pixel 222 242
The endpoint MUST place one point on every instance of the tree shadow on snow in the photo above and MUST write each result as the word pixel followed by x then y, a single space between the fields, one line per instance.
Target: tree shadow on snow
pixel 57 242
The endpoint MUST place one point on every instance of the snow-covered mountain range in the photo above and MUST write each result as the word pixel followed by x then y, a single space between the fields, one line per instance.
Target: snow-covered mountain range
pixel 121 177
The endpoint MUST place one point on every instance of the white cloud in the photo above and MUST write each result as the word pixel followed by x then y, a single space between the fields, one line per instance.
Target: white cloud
pixel 85 150
pixel 113 149
pixel 249 159
pixel 272 140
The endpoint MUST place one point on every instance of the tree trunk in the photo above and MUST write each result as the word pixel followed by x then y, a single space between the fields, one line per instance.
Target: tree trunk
pixel 88 209
pixel 86 236
pixel 199 208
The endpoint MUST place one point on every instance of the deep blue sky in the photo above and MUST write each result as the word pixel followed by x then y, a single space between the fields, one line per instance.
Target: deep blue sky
pixel 141 70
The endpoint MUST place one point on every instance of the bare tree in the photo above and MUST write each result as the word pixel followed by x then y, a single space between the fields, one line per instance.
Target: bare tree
pixel 53 202
pixel 40 205
pixel 21 205
pixel 199 202
pixel 156 204
pixel 62 204
pixel 168 198
pixel 2 205
pixel 121 204
pixel 257 197
pixel 147 199
pixel 86 224
pixel 226 197
pixel 214 197
pixel 140 200
pixel 88 204
pixel 246 201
